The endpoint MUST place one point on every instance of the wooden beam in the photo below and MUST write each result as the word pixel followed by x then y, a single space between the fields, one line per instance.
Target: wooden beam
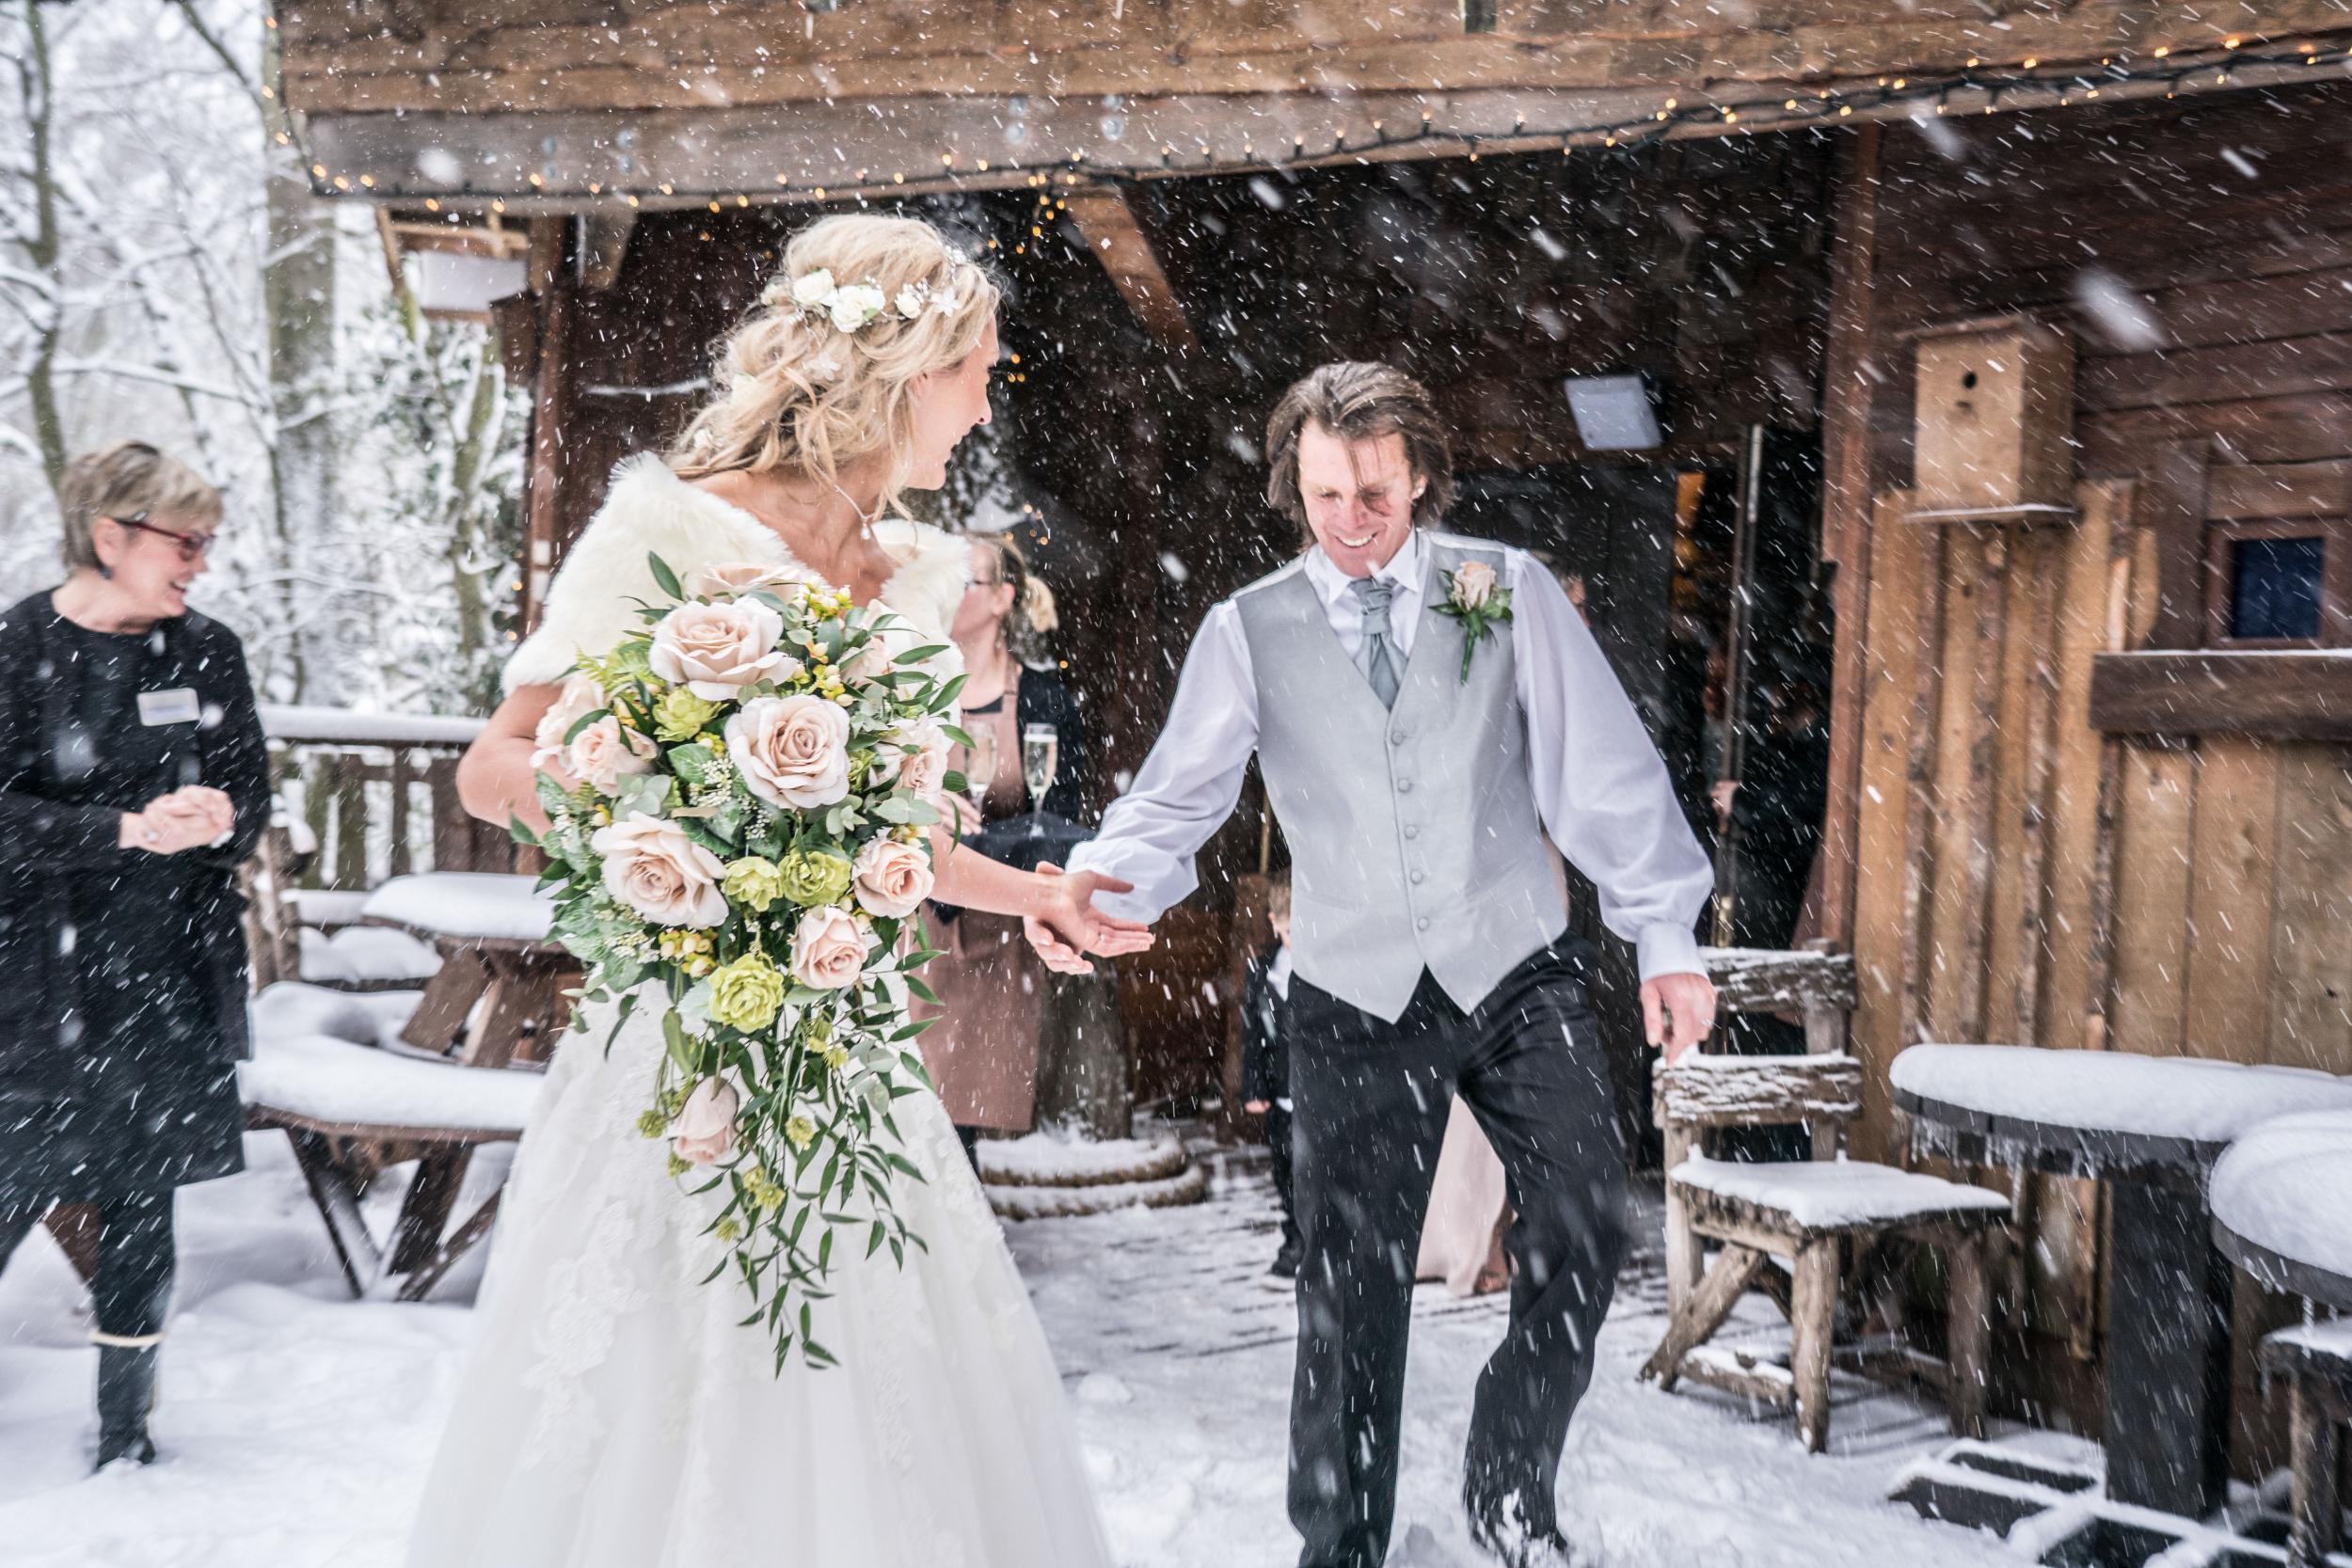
pixel 546 156
pixel 1118 241
pixel 2284 696
pixel 639 55
pixel 603 246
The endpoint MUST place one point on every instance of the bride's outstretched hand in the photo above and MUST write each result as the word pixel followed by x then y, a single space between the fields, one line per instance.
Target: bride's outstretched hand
pixel 1070 927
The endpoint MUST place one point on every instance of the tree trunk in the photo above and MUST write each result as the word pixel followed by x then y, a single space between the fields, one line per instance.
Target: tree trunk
pixel 298 301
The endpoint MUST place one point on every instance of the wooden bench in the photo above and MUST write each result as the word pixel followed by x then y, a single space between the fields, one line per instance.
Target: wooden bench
pixel 349 1108
pixel 498 996
pixel 1808 1213
pixel 2280 1197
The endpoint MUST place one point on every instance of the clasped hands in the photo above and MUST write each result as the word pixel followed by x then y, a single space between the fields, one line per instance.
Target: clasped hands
pixel 1069 928
pixel 187 818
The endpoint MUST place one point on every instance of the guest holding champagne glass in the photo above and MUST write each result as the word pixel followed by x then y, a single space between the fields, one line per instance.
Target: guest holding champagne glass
pixel 1026 732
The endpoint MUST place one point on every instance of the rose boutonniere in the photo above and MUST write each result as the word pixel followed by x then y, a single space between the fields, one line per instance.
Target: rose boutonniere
pixel 1473 597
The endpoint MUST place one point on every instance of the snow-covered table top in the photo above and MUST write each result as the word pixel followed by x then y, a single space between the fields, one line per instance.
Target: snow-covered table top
pixel 2284 1190
pixel 482 903
pixel 337 1084
pixel 2187 1099
pixel 1830 1195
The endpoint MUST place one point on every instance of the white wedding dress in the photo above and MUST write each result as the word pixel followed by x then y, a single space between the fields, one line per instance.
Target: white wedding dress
pixel 613 1413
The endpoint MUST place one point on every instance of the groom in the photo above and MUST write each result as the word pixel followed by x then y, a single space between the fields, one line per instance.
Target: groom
pixel 1420 736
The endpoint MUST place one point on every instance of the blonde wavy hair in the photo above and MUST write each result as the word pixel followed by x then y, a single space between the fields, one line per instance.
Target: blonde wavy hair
pixel 792 390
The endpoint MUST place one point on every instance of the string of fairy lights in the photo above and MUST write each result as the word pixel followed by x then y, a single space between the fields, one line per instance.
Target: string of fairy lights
pixel 1976 88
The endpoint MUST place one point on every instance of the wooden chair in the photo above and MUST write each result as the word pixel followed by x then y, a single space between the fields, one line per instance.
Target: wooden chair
pixel 2315 1364
pixel 1807 1212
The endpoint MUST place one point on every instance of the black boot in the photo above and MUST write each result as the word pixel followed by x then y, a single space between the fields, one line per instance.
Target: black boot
pixel 126 1393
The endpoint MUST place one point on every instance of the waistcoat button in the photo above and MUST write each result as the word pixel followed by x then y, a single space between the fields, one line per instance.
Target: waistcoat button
pixel 1417 876
pixel 1422 923
pixel 1403 786
pixel 1411 831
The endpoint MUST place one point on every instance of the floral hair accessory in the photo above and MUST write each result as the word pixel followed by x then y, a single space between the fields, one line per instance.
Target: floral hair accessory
pixel 853 307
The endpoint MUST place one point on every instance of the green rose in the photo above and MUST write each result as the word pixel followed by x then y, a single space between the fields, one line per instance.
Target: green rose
pixel 746 993
pixel 753 880
pixel 813 877
pixel 681 715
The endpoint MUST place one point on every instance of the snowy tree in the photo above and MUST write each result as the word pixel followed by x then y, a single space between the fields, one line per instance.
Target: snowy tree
pixel 167 272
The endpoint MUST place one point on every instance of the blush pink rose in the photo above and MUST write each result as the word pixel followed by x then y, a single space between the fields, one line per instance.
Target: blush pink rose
pixel 653 867
pixel 828 949
pixel 716 650
pixel 792 751
pixel 916 759
pixel 579 697
pixel 891 877
pixel 1474 584
pixel 705 1130
pixel 605 752
pixel 736 578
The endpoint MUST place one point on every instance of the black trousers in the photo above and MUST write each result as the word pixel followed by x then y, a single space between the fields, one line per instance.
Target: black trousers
pixel 1370 1100
pixel 1278 1137
pixel 133 1290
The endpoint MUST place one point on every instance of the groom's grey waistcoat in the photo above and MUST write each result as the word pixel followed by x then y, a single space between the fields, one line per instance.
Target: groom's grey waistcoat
pixel 1413 832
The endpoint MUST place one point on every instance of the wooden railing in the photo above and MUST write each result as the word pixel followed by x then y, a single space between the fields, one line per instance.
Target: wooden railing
pixel 376 795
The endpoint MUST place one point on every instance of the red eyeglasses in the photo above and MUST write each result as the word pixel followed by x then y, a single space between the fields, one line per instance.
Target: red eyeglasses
pixel 191 546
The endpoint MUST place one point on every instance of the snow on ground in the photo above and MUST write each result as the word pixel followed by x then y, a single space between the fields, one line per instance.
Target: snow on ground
pixel 297 1424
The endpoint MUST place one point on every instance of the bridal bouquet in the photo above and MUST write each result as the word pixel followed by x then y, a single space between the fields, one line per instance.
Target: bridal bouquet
pixel 745 847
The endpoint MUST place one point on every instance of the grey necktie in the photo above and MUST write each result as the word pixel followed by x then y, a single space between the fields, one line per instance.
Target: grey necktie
pixel 1378 657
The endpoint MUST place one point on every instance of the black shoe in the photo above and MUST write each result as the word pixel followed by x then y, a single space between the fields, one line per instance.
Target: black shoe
pixel 126 1393
pixel 1498 1531
pixel 1285 1261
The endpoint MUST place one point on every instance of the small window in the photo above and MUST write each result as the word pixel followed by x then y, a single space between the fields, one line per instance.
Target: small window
pixel 2275 589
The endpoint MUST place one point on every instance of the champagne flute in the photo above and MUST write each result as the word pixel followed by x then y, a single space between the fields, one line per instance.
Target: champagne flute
pixel 980 764
pixel 1041 754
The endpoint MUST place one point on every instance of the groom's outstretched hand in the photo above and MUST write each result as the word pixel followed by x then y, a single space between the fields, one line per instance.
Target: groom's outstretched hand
pixel 1678 1012
pixel 1070 927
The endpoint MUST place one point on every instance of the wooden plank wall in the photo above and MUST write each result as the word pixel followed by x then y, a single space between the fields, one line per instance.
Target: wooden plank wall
pixel 2021 876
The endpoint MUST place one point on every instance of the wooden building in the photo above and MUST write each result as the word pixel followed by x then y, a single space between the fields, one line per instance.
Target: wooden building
pixel 2048 308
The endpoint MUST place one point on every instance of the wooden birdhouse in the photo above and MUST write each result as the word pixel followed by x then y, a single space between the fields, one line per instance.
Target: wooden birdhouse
pixel 1996 409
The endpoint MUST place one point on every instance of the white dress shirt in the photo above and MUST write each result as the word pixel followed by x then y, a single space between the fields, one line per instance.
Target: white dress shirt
pixel 1599 782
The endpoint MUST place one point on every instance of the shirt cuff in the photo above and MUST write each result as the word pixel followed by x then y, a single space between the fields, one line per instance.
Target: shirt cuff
pixel 1105 857
pixel 1665 948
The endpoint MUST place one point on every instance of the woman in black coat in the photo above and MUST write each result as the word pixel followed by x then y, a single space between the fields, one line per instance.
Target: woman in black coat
pixel 134 780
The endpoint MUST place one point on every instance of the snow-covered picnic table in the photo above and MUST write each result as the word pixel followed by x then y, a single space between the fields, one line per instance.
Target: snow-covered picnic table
pixel 499 989
pixel 2281 1200
pixel 2151 1127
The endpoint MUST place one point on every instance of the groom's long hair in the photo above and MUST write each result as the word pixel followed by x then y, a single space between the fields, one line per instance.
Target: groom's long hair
pixel 1359 400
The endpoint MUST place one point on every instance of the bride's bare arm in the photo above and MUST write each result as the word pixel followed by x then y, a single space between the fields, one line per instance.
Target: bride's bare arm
pixel 1063 905
pixel 495 780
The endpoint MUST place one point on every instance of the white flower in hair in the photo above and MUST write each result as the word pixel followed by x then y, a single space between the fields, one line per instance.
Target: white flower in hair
pixel 812 288
pixel 911 300
pixel 946 303
pixel 824 367
pixel 779 289
pixel 853 305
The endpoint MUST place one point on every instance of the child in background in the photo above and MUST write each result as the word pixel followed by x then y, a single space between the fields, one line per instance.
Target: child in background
pixel 1266 1068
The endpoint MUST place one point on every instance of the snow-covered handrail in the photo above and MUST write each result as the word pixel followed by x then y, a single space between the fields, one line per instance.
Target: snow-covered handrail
pixel 344 726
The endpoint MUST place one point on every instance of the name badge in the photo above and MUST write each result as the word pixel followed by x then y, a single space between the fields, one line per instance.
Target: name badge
pixel 178 706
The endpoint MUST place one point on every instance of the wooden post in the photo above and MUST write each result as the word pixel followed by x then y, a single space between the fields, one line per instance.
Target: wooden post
pixel 1686 1253
pixel 2317 1529
pixel 1811 1318
pixel 398 821
pixel 1920 806
pixel 1850 386
pixel 1984 755
pixel 1967 1331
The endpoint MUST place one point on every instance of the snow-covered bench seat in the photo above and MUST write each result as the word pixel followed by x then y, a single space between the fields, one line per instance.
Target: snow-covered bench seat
pixel 499 992
pixel 319 1075
pixel 1807 1213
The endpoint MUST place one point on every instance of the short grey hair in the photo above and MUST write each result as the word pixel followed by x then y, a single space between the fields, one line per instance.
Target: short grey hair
pixel 129 479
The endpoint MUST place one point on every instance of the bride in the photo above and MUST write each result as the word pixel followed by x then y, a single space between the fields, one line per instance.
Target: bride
pixel 612 1413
